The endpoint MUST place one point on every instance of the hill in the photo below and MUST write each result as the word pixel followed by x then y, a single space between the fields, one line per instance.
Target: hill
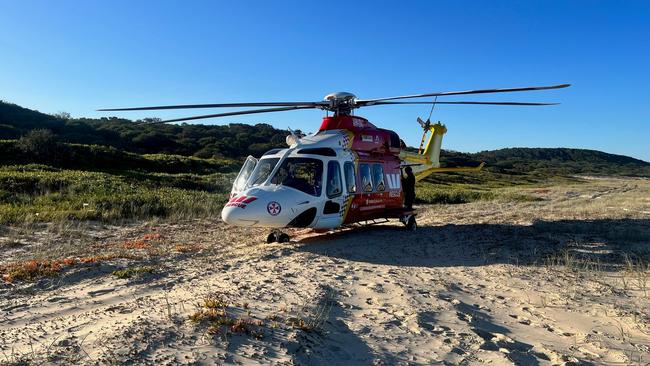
pixel 558 161
pixel 230 141
pixel 235 141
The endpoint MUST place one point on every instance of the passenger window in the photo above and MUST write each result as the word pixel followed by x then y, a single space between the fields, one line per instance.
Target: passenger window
pixel 378 177
pixel 334 185
pixel 350 181
pixel 366 177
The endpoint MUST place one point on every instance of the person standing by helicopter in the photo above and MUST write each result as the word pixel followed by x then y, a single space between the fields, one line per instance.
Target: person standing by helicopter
pixel 408 186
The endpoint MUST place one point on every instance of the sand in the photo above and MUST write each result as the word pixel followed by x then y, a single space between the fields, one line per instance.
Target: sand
pixel 558 281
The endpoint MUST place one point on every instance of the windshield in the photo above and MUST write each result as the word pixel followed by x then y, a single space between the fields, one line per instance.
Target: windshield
pixel 244 174
pixel 262 170
pixel 303 174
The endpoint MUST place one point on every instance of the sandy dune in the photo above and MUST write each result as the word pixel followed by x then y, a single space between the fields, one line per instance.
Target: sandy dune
pixel 563 280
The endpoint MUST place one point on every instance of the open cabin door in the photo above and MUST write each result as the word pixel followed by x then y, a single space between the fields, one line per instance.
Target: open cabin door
pixel 333 207
pixel 244 173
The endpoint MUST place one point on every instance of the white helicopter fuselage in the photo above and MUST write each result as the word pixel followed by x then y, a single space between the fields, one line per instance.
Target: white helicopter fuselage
pixel 300 186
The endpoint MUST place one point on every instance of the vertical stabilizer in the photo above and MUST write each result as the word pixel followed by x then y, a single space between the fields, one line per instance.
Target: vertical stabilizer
pixel 432 151
pixel 426 162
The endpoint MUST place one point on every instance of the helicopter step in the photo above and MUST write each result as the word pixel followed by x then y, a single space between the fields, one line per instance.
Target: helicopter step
pixel 277 236
pixel 407 218
pixel 370 222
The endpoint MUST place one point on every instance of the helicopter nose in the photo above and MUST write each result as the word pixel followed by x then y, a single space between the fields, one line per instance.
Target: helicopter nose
pixel 234 212
pixel 229 215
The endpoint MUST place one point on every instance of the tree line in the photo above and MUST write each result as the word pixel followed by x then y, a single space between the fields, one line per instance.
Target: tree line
pixel 205 141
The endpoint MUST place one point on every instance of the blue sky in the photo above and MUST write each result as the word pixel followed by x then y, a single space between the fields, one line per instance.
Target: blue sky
pixel 78 56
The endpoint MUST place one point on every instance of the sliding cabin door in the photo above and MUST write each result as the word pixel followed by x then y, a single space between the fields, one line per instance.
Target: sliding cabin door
pixel 377 192
pixel 334 206
pixel 369 202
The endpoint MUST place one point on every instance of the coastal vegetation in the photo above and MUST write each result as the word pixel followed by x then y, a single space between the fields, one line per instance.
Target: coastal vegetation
pixel 54 167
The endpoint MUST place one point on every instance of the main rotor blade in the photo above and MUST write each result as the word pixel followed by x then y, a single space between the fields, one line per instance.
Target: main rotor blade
pixel 486 103
pixel 364 102
pixel 253 111
pixel 217 105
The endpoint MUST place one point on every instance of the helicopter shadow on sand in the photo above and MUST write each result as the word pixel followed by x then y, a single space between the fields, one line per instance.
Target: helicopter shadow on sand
pixel 608 242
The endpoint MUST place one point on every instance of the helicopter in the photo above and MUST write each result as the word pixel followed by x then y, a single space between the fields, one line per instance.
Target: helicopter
pixel 348 172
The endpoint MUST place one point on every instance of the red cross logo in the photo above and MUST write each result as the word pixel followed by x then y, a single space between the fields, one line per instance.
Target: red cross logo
pixel 273 208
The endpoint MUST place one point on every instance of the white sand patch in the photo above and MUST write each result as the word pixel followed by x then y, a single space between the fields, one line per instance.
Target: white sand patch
pixel 558 281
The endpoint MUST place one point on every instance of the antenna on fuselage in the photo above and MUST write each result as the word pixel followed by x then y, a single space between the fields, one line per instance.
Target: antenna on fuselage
pixel 292 139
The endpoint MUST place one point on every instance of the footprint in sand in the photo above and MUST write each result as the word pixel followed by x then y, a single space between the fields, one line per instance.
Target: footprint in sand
pixel 100 292
pixel 557 330
pixel 519 352
pixel 521 319
pixel 428 320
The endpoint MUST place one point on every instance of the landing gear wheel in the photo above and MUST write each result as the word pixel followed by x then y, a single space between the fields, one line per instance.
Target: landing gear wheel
pixel 277 236
pixel 411 224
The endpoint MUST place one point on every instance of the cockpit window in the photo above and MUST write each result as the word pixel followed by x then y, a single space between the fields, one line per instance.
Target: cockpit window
pixel 262 170
pixel 303 174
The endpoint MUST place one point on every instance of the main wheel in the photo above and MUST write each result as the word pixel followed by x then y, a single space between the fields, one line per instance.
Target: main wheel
pixel 272 238
pixel 283 238
pixel 411 224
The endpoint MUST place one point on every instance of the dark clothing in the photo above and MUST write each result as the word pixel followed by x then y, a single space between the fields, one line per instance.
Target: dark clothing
pixel 408 186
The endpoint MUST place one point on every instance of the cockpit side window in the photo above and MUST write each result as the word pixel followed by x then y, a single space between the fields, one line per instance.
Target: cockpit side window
pixel 334 185
pixel 244 174
pixel 303 174
pixel 366 177
pixel 350 180
pixel 378 177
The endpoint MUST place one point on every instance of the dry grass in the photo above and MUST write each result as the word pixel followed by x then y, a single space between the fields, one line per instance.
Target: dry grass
pixel 188 248
pixel 314 312
pixel 222 317
pixel 213 313
pixel 35 268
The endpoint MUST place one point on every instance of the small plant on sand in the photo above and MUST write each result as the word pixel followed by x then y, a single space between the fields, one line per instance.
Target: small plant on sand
pixel 313 314
pixel 136 244
pixel 30 270
pixel 131 272
pixel 639 272
pixel 213 313
pixel 151 236
pixel 34 269
pixel 543 301
pixel 621 331
pixel 93 259
pixel 187 248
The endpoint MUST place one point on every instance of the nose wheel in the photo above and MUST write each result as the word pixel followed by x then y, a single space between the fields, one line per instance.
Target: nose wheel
pixel 277 236
pixel 409 222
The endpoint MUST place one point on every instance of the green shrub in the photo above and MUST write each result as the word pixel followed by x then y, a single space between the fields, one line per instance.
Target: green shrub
pixel 32 195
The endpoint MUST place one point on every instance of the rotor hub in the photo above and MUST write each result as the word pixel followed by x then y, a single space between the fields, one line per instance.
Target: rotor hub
pixel 339 96
pixel 341 103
